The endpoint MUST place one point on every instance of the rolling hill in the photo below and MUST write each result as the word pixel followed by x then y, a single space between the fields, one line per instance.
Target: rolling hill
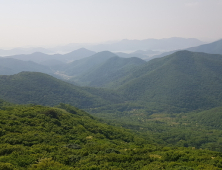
pixel 39 88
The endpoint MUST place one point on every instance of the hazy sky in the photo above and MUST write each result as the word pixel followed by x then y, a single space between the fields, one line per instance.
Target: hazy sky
pixel 57 22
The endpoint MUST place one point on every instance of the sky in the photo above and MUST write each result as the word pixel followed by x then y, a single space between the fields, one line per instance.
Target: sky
pixel 41 23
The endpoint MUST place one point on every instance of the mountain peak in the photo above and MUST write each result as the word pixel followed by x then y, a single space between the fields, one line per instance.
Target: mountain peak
pixel 38 53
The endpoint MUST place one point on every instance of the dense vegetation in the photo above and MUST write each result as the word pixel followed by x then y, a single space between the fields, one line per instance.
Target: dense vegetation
pixel 201 130
pixel 64 137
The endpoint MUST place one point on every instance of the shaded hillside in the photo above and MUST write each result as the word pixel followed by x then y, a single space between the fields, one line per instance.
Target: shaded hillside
pixel 109 71
pixel 39 88
pixel 212 48
pixel 82 66
pixel 184 79
pixel 9 66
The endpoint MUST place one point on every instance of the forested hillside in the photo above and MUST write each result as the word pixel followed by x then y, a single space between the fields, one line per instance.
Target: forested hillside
pixel 39 88
pixel 184 79
pixel 211 118
pixel 64 137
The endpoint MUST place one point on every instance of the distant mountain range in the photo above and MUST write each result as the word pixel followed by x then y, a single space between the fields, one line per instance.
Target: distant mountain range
pixel 166 44
pixel 103 69
pixel 74 64
pixel 16 51
pixel 99 69
pixel 57 59
pixel 46 58
pixel 211 48
pixel 184 80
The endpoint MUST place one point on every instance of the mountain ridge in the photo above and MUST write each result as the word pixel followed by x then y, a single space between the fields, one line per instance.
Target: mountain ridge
pixel 108 71
pixel 40 57
pixel 178 77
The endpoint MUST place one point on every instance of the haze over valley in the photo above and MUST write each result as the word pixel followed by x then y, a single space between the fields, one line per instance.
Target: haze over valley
pixel 111 85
